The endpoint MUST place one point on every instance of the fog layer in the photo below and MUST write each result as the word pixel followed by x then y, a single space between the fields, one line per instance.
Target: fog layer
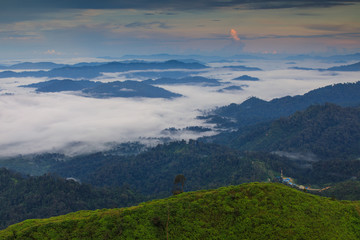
pixel 65 122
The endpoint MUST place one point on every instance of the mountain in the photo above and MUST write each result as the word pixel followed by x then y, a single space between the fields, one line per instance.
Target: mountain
pixel 160 74
pixel 327 59
pixel 30 65
pixel 255 110
pixel 127 89
pixel 351 67
pixel 345 68
pixel 24 197
pixel 89 71
pixel 249 211
pixel 321 144
pixel 243 68
pixel 104 90
pixel 246 78
pixel 186 80
pixel 329 131
pixel 231 88
pixel 62 85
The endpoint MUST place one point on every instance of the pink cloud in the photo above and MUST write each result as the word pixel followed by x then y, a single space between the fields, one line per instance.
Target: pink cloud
pixel 234 35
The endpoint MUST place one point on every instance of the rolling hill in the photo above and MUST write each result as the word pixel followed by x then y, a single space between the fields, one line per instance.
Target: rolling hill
pixel 249 211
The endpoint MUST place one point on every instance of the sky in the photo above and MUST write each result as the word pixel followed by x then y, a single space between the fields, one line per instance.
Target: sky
pixel 41 29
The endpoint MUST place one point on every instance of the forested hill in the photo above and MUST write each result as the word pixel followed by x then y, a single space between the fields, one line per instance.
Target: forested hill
pixel 255 110
pixel 249 211
pixel 152 172
pixel 329 131
pixel 321 143
pixel 23 197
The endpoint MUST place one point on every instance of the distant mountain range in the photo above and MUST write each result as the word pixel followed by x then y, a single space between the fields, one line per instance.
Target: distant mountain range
pixel 328 59
pixel 186 80
pixel 243 68
pixel 128 89
pixel 62 85
pixel 351 67
pixel 30 65
pixel 160 74
pixel 342 68
pixel 88 70
pixel 104 90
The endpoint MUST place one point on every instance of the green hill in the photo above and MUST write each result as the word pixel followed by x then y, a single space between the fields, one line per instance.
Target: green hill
pixel 248 211
pixel 328 130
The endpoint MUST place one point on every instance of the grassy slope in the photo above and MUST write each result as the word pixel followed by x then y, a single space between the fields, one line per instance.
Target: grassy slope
pixel 248 211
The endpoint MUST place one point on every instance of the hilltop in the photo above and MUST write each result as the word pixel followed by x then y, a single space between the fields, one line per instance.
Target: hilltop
pixel 248 211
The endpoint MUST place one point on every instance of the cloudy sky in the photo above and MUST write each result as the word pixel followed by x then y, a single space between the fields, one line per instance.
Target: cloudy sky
pixel 93 28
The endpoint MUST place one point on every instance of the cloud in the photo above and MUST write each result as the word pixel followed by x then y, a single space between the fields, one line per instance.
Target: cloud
pixel 15 10
pixel 33 122
pixel 234 35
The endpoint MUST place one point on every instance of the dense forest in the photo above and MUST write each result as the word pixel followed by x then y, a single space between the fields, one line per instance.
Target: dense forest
pixel 205 166
pixel 249 211
pixel 329 131
pixel 24 197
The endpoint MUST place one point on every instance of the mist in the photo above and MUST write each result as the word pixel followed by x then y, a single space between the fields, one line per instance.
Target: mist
pixel 65 122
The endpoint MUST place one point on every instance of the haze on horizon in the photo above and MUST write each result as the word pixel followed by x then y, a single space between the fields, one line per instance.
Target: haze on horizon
pixel 43 29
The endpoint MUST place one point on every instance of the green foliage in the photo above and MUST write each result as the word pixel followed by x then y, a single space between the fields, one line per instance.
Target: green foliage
pixel 348 190
pixel 152 172
pixel 248 211
pixel 329 131
pixel 45 196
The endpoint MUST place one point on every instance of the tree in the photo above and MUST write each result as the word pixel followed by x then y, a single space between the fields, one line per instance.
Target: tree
pixel 179 179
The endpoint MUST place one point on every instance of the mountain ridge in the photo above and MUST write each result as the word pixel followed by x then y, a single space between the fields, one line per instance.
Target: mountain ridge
pixel 255 110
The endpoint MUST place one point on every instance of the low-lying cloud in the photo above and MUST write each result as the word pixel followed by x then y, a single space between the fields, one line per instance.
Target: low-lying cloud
pixel 54 122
